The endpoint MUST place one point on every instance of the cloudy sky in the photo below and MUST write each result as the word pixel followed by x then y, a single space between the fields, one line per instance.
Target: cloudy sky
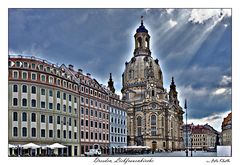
pixel 193 45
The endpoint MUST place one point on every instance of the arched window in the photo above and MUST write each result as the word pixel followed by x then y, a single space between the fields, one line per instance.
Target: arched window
pixel 146 43
pixel 33 132
pixel 33 102
pixel 33 90
pixel 139 125
pixel 15 88
pixel 139 42
pixel 15 131
pixel 24 89
pixel 153 125
pixel 15 101
pixel 152 92
pixel 24 102
pixel 24 116
pixel 24 131
pixel 15 116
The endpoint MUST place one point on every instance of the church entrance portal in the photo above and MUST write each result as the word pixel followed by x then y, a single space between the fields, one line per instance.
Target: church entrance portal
pixel 154 145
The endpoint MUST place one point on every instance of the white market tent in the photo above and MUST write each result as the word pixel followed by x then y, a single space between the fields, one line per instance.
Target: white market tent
pixel 30 145
pixel 12 146
pixel 56 145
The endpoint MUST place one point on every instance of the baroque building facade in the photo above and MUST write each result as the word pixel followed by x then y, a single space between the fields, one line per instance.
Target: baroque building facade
pixel 227 130
pixel 43 105
pixel 56 104
pixel 118 120
pixel 155 117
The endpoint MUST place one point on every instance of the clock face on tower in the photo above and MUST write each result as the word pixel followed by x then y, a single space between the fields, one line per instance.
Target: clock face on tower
pixel 154 105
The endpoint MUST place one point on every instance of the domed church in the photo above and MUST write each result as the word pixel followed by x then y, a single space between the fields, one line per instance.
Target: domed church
pixel 155 117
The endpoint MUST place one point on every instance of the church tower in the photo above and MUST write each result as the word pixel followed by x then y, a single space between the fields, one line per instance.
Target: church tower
pixel 110 84
pixel 154 116
pixel 142 41
pixel 173 94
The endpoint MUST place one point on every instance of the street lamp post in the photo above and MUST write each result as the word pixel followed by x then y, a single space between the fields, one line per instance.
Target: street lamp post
pixel 191 143
pixel 185 106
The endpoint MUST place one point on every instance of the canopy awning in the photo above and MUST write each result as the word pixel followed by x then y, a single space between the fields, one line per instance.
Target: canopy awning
pixel 56 145
pixel 30 145
pixel 12 146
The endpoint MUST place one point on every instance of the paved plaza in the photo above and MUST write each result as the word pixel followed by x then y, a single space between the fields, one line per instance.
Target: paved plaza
pixel 169 154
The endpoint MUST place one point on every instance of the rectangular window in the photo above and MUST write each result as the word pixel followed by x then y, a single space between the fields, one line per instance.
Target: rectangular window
pixel 70 121
pixel 43 78
pixel 15 88
pixel 75 99
pixel 75 123
pixel 82 135
pixel 50 93
pixel 42 132
pixel 58 94
pixel 33 76
pixel 33 117
pixel 82 110
pixel 75 135
pixel 91 135
pixel 70 134
pixel 24 131
pixel 64 96
pixel 82 100
pixel 42 118
pixel 86 111
pixel 15 74
pixel 33 132
pixel 86 123
pixel 50 119
pixel 51 80
pixel 24 116
pixel 50 134
pixel 69 98
pixel 58 133
pixel 24 102
pixel 24 89
pixel 86 135
pixel 15 102
pixel 91 124
pixel 50 105
pixel 15 131
pixel 42 91
pixel 64 134
pixel 25 64
pixel 24 75
pixel 43 105
pixel 96 136
pixel 15 116
pixel 69 109
pixel 58 119
pixel 58 106
pixel 91 112
pixel 33 66
pixel 33 90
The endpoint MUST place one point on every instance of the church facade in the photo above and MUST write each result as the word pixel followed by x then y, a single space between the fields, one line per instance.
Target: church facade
pixel 155 117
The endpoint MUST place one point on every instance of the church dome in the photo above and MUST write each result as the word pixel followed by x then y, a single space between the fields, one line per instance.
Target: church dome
pixel 142 67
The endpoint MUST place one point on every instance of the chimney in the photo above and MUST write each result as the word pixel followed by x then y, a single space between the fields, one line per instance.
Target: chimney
pixel 70 66
pixel 88 74
pixel 80 71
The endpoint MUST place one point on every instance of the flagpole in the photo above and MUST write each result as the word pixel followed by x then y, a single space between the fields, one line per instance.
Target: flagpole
pixel 185 106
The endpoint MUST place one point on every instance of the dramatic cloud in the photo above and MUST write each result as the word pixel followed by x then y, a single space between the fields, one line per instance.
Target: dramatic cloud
pixel 193 45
